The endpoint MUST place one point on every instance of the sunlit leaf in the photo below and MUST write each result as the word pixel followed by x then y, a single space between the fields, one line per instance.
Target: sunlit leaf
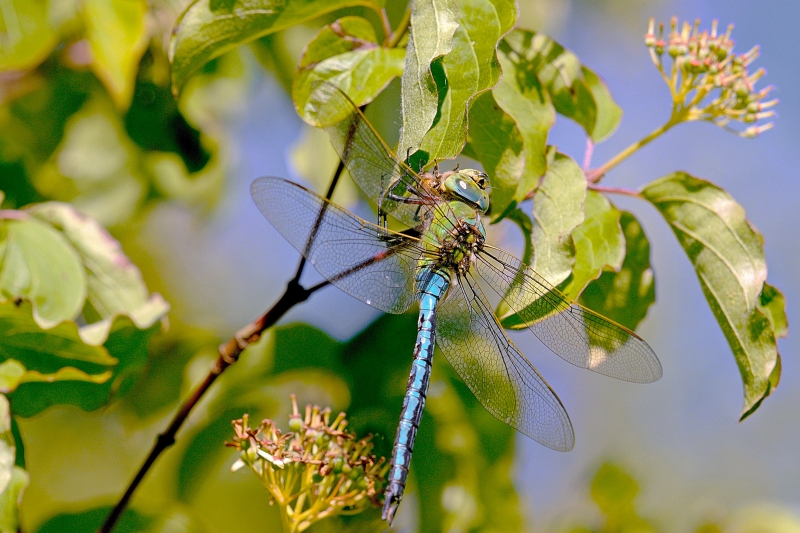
pixel 470 68
pixel 115 285
pixel 433 23
pixel 10 500
pixel 599 243
pixel 26 34
pixel 625 296
pixel 728 257
pixel 117 35
pixel 347 54
pixel 37 263
pixel 557 211
pixel 7 447
pixel 209 28
pixel 576 92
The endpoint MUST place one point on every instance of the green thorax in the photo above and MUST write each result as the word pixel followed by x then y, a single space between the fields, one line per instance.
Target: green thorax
pixel 454 235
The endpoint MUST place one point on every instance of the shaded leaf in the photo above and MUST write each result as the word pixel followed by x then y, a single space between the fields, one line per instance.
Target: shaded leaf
pixel 615 491
pixel 433 23
pixel 26 34
pixel 557 211
pixel 609 114
pixel 525 225
pixel 37 263
pixel 773 304
pixel 96 166
pixel 495 142
pixel 117 36
pixel 46 351
pixel 576 92
pixel 625 296
pixel 599 243
pixel 90 520
pixel 522 97
pixel 347 54
pixel 470 68
pixel 209 28
pixel 728 257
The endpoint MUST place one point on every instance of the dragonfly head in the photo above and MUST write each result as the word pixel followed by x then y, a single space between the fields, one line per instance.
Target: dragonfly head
pixel 471 186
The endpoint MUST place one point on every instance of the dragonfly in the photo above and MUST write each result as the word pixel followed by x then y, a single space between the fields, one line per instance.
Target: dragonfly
pixel 444 264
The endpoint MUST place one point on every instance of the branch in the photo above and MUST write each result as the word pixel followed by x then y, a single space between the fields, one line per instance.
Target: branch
pixel 229 353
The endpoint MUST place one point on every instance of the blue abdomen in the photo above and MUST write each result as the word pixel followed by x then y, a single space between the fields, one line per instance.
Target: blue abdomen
pixel 432 285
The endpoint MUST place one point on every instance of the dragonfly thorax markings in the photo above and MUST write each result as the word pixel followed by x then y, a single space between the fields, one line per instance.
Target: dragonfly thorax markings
pixel 454 236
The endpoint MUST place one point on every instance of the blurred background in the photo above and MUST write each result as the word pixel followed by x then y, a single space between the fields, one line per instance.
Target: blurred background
pixel 187 220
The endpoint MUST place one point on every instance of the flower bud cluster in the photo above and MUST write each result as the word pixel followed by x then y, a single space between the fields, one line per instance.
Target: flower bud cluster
pixel 707 79
pixel 316 470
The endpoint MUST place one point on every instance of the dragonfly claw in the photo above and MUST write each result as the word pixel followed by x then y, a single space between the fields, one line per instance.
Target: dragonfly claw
pixel 394 493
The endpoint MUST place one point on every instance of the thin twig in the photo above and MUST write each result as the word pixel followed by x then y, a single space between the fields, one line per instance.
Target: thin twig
pixel 229 353
pixel 615 190
pixel 596 174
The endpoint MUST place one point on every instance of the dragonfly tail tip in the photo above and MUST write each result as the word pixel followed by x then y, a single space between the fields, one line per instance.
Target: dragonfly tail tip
pixel 390 504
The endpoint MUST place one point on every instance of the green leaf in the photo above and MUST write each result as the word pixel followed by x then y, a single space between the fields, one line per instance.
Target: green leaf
pixel 773 304
pixel 599 243
pixel 576 92
pixel 88 521
pixel 433 23
pixel 96 165
pixel 609 114
pixel 615 491
pixel 115 285
pixel 728 257
pixel 28 37
pixel 521 96
pixel 625 296
pixel 33 354
pixel 470 68
pixel 7 448
pixel 117 36
pixel 208 28
pixel 347 54
pixel 525 225
pixel 37 263
pixel 10 500
pixel 557 211
pixel 496 143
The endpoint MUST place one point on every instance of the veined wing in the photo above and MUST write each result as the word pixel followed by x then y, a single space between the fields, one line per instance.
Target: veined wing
pixel 499 376
pixel 370 263
pixel 578 335
pixel 370 161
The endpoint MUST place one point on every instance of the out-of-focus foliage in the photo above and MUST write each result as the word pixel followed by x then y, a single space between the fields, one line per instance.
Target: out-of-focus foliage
pixel 103 117
pixel 615 492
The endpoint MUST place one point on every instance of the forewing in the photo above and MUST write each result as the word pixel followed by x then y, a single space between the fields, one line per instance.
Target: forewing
pixel 366 261
pixel 499 376
pixel 576 334
pixel 371 163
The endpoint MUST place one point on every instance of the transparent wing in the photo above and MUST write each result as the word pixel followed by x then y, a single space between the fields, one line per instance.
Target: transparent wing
pixel 499 376
pixel 371 163
pixel 366 261
pixel 578 335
